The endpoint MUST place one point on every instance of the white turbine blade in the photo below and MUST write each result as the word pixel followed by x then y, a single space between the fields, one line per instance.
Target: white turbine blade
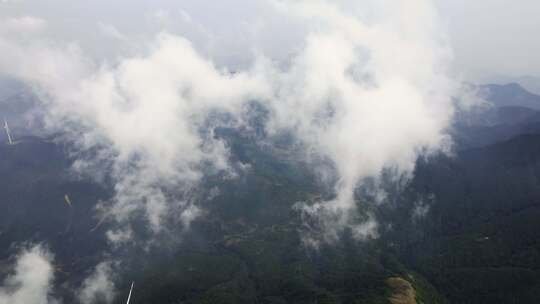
pixel 130 290
pixel 67 199
pixel 6 126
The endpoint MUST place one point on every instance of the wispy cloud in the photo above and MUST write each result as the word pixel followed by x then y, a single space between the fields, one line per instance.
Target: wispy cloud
pixel 99 286
pixel 32 279
pixel 22 25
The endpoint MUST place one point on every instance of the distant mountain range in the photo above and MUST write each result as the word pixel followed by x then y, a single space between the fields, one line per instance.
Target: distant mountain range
pixel 530 83
pixel 511 95
pixel 511 111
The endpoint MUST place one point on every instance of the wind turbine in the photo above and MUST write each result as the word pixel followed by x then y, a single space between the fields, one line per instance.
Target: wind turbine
pixel 130 290
pixel 6 127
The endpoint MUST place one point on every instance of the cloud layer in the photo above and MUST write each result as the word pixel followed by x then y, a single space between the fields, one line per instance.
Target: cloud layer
pixel 367 88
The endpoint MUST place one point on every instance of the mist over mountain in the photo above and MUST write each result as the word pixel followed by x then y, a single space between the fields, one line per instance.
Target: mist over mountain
pixel 185 163
pixel 511 95
pixel 439 229
pixel 530 83
pixel 509 111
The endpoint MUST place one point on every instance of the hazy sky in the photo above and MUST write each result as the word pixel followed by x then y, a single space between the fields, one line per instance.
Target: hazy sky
pixel 494 37
pixel 491 38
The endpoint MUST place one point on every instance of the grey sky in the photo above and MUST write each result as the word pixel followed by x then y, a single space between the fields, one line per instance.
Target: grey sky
pixel 491 38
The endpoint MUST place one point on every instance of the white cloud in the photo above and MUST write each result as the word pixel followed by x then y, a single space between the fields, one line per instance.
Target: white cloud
pixel 370 95
pixel 143 114
pixel 111 31
pixel 420 211
pixel 99 286
pixel 422 207
pixel 32 279
pixel 367 91
pixel 21 25
pixel 120 236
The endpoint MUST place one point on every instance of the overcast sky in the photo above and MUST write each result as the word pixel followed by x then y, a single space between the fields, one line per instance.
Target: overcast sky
pixel 493 38
pixel 490 38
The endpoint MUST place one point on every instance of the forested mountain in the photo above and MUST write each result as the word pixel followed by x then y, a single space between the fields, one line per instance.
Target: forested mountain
pixel 463 229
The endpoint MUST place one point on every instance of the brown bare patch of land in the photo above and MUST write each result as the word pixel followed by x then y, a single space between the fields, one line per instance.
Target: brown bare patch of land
pixel 403 293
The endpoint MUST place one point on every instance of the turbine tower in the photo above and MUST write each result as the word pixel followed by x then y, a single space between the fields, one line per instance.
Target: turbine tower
pixel 6 127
